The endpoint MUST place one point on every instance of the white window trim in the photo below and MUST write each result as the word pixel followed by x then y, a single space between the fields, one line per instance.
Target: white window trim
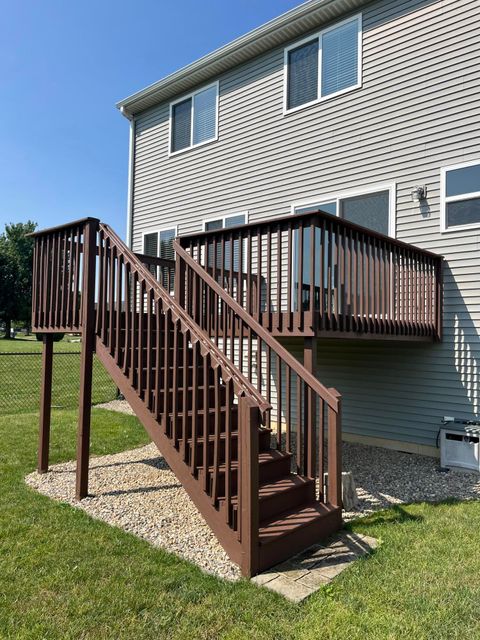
pixel 205 221
pixel 444 199
pixel 191 95
pixel 359 18
pixel 336 197
pixel 158 231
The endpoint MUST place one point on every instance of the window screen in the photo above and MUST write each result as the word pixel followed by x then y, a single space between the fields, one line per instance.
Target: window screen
pixel 370 210
pixel 302 84
pixel 150 248
pixel 462 181
pixel 462 201
pixel 340 58
pixel 204 115
pixel 166 244
pixel 181 125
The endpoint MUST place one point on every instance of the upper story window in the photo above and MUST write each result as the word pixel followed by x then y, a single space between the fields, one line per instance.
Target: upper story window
pixel 460 197
pixel 194 119
pixel 323 65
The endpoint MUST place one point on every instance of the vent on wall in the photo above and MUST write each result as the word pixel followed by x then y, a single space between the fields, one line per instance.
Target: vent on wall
pixel 460 449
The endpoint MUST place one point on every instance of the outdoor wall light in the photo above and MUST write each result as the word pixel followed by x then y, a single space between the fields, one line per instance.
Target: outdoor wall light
pixel 419 192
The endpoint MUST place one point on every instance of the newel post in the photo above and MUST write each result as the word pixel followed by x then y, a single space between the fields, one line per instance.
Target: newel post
pixel 335 454
pixel 86 358
pixel 45 403
pixel 249 422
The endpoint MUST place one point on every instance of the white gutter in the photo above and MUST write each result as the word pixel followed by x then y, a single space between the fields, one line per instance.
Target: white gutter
pixel 272 33
pixel 131 157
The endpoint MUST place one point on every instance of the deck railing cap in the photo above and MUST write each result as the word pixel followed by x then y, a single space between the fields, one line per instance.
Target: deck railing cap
pixel 61 227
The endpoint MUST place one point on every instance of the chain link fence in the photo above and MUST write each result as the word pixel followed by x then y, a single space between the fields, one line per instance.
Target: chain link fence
pixel 21 375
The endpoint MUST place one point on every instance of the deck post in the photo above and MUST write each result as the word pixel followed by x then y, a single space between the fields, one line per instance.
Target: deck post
pixel 86 358
pixel 310 409
pixel 249 422
pixel 45 403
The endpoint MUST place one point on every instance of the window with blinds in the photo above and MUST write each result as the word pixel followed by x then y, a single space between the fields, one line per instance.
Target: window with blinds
pixel 160 245
pixel 193 120
pixel 323 65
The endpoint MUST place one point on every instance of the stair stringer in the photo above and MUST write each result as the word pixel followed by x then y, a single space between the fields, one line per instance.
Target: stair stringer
pixel 225 535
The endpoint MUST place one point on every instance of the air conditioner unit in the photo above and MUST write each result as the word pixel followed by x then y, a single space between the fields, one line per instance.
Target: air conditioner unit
pixel 460 449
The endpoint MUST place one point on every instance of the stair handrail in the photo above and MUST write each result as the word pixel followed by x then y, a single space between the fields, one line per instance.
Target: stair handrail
pixel 330 395
pixel 227 366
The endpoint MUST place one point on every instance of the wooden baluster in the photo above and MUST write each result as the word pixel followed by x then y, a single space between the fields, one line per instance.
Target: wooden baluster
pixel 249 423
pixel 160 329
pixel 289 276
pixel 288 409
pixel 45 403
pixel 321 275
pixel 111 300
pixel 258 310
pixel 175 380
pixel 86 358
pixel 299 417
pixel 128 318
pixel 330 277
pixel 77 270
pixel 63 308
pixel 335 456
pixel 228 449
pixel 185 398
pixel 195 396
pixel 141 340
pixel 279 277
pixel 299 282
pixel 167 370
pixel 268 280
pixel 134 332
pixel 279 402
pixel 217 441
pixel 149 348
pixel 206 425
pixel 118 309
pixel 321 448
pixel 312 319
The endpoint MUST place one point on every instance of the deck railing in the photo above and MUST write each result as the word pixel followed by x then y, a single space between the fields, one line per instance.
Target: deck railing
pixel 304 410
pixel 317 273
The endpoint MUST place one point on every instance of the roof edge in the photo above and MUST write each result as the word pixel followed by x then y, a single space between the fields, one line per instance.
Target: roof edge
pixel 128 105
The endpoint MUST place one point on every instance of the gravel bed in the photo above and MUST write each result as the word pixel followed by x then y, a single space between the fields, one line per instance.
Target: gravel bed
pixel 121 406
pixel 384 477
pixel 136 491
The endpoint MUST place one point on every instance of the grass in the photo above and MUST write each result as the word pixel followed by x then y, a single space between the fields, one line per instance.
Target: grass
pixel 29 344
pixel 66 576
pixel 20 375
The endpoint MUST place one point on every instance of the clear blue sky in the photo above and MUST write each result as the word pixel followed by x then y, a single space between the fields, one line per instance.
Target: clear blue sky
pixel 63 66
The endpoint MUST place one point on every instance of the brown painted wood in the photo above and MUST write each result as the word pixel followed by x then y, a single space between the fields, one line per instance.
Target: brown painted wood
pixel 86 358
pixel 45 403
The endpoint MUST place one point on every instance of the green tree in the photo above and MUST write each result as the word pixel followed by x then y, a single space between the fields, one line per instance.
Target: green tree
pixel 16 251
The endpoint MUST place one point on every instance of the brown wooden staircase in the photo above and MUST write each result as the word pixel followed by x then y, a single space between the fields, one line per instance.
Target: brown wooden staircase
pixel 238 419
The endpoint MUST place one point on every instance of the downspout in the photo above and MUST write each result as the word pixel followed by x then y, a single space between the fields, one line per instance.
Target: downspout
pixel 131 160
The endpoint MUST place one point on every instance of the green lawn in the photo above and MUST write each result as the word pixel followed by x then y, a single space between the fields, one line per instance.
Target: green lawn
pixel 30 343
pixel 65 576
pixel 20 376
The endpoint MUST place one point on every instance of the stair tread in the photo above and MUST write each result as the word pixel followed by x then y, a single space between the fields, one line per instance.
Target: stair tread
pixel 264 457
pixel 289 521
pixel 200 412
pixel 233 434
pixel 283 484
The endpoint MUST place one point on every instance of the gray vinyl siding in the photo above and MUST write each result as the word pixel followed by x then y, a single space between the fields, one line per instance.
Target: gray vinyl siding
pixel 418 110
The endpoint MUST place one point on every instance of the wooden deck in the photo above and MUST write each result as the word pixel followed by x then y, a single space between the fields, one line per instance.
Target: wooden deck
pixel 318 275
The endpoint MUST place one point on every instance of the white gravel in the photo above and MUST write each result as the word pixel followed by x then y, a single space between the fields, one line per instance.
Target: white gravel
pixel 136 491
pixel 121 406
